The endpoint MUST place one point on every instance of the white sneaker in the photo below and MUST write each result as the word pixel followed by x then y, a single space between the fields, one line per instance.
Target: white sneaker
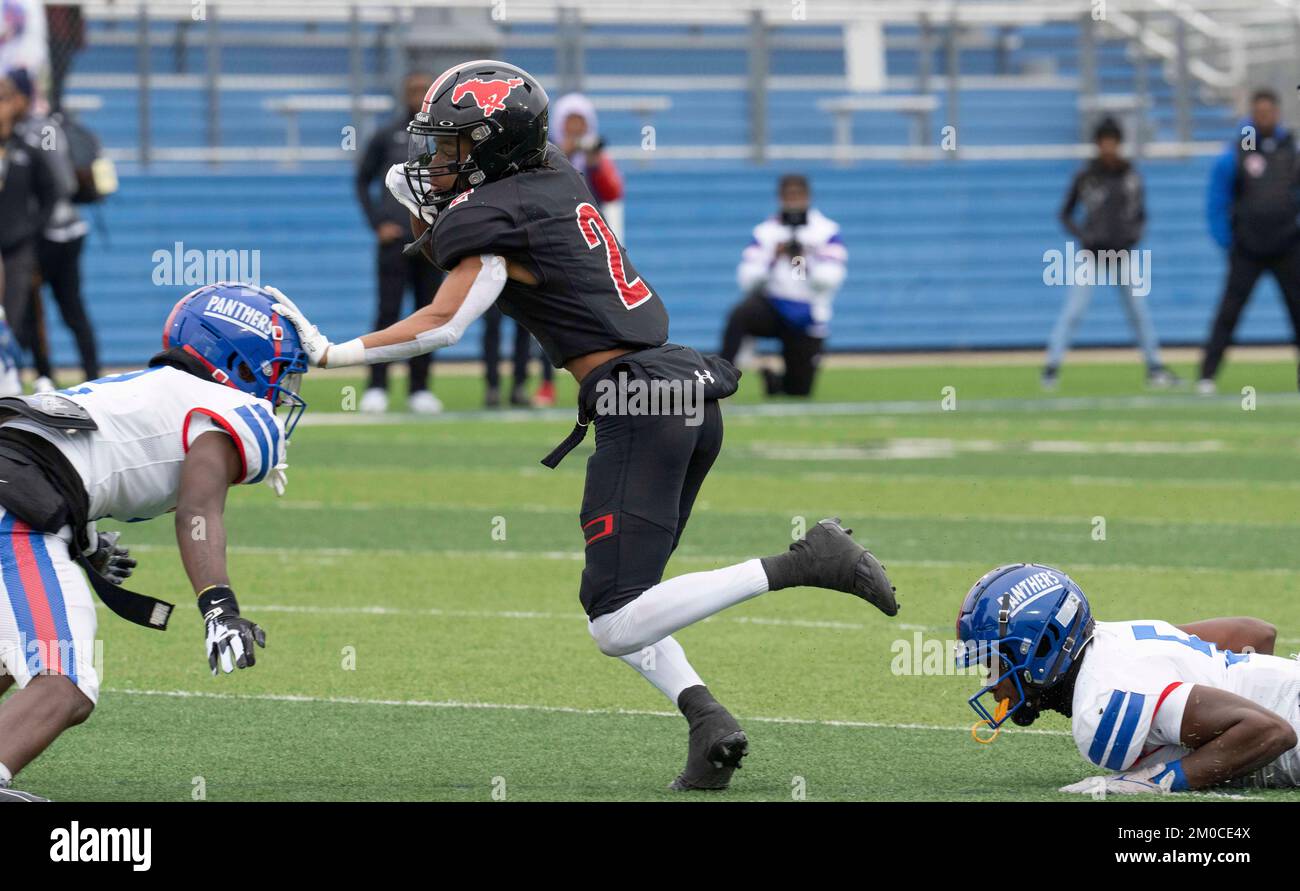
pixel 43 385
pixel 422 402
pixel 374 401
pixel 11 382
pixel 1205 387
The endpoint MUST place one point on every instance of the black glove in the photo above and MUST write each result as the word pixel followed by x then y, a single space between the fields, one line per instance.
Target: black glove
pixel 113 562
pixel 229 638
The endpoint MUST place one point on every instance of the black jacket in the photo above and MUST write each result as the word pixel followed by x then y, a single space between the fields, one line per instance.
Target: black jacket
pixel 1114 206
pixel 1266 196
pixel 28 193
pixel 386 148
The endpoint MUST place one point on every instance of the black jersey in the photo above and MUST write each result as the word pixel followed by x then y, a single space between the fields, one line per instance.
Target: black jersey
pixel 588 297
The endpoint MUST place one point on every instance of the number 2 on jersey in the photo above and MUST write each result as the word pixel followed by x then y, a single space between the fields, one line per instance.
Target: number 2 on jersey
pixel 595 232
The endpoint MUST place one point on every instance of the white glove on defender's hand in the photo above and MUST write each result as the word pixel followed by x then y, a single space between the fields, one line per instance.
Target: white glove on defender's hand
pixel 314 343
pixel 400 189
pixel 1136 783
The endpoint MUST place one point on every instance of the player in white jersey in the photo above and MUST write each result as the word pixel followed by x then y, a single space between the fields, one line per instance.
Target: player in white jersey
pixel 170 437
pixel 1165 708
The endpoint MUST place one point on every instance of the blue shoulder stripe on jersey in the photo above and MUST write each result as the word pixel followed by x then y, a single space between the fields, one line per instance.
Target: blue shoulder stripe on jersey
pixel 1105 728
pixel 1124 739
pixel 271 428
pixel 259 434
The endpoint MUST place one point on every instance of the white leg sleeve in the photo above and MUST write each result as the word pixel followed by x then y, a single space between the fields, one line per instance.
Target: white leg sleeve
pixel 675 603
pixel 664 665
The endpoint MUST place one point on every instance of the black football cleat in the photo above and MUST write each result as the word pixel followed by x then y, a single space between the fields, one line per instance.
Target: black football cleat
pixel 7 794
pixel 717 744
pixel 828 557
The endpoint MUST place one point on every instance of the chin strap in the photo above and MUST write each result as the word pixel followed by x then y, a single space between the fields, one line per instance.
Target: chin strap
pixel 417 246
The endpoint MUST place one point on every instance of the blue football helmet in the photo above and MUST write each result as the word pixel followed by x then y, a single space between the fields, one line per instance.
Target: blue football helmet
pixel 1035 619
pixel 231 329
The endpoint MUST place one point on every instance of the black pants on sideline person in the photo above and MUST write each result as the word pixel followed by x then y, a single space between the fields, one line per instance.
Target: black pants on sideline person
pixel 21 311
pixel 493 320
pixel 60 265
pixel 396 274
pixel 756 317
pixel 1244 271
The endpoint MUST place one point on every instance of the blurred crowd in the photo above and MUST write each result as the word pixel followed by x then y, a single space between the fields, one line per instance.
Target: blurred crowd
pixel 52 171
pixel 50 165
pixel 1252 207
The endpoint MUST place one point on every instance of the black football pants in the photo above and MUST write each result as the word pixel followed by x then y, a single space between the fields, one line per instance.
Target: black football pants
pixel 641 485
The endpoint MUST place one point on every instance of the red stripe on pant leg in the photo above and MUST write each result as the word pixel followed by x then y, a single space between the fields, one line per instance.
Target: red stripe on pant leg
pixel 38 601
pixel 606 529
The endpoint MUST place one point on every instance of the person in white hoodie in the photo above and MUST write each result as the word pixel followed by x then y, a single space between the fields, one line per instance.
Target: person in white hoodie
pixel 789 273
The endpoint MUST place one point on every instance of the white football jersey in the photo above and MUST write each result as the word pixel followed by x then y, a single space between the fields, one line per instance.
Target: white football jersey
pixel 1133 686
pixel 147 420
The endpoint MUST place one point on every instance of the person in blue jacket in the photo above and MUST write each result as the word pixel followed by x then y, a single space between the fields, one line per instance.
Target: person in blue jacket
pixel 1253 209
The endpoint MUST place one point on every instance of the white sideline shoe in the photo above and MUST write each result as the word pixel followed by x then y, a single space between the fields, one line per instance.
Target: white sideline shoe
pixel 374 401
pixel 423 402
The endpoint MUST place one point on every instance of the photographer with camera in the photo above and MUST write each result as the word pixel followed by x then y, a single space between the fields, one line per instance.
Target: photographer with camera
pixel 789 274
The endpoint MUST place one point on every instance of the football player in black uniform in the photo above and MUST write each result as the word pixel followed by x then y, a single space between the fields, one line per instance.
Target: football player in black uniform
pixel 513 224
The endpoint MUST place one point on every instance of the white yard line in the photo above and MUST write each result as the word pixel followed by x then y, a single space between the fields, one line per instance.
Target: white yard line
pixel 823 409
pixel 552 709
pixel 876 514
pixel 722 559
pixel 597 712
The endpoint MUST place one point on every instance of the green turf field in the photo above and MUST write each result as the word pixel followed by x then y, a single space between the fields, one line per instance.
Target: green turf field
pixel 413 655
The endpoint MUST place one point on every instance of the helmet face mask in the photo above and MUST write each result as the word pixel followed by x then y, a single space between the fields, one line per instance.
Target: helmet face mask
pixel 437 168
pixel 1026 624
pixel 480 121
pixel 231 330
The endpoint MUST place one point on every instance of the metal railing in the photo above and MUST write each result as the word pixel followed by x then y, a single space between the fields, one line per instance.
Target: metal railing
pixel 1191 43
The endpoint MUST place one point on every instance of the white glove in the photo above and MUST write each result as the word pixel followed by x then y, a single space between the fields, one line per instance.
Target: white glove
pixel 1157 780
pixel 400 189
pixel 314 343
pixel 277 479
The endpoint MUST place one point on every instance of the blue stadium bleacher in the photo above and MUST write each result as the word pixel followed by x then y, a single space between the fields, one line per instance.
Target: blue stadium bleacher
pixel 943 255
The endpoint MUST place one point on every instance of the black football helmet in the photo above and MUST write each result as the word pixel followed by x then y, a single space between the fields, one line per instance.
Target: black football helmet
pixel 481 121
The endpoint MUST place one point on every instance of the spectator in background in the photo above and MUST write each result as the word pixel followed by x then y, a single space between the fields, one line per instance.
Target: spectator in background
pixel 1114 216
pixel 58 250
pixel 1254 200
pixel 67 30
pixel 396 272
pixel 22 37
pixel 29 191
pixel 574 128
pixel 493 321
pixel 789 273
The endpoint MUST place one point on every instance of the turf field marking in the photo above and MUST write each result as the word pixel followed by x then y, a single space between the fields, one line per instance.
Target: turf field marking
pixel 934 448
pixel 567 510
pixel 819 409
pixel 308 553
pixel 599 712
pixel 553 709
pixel 436 612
